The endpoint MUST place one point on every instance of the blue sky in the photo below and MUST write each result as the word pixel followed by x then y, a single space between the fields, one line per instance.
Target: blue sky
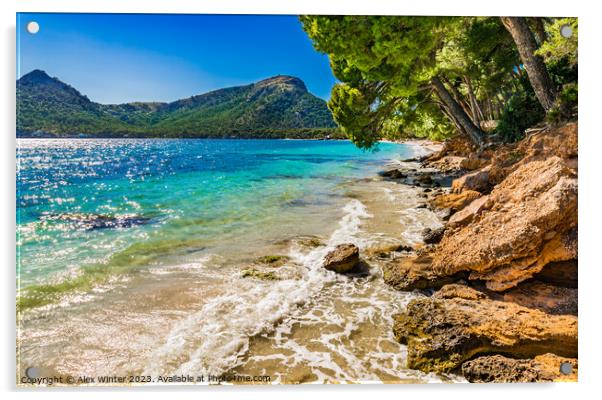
pixel 116 58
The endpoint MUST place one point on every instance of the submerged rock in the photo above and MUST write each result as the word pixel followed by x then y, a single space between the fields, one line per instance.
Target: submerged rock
pixel 342 259
pixel 500 369
pixel 273 260
pixel 257 274
pixel 89 221
pixel 441 334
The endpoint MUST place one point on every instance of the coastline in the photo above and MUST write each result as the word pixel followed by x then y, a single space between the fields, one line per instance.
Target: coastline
pixel 481 300
pixel 299 288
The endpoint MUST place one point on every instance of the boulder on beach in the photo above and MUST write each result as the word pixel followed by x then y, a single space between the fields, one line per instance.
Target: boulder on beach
pixel 393 174
pixel 343 258
pixel 415 272
pixel 441 334
pixel 528 221
pixel 499 369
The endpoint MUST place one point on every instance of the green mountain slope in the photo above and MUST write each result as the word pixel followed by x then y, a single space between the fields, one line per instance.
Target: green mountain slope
pixel 276 107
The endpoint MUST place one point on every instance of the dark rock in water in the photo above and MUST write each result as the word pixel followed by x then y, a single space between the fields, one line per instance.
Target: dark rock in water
pixel 500 369
pixel 257 274
pixel 425 179
pixel 433 236
pixel 427 190
pixel 342 259
pixel 393 174
pixel 98 221
pixel 273 260
pixel 421 206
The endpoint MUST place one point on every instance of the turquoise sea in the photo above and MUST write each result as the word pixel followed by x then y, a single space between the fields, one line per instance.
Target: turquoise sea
pixel 135 203
pixel 131 256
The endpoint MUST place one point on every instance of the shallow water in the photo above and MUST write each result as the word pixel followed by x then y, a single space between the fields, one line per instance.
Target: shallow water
pixel 131 253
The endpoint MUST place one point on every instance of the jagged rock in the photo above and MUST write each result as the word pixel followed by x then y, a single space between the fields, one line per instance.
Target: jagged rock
pixel 477 180
pixel 455 290
pixel 432 236
pixel 531 222
pixel 273 260
pixel 424 179
pixel 468 213
pixel 342 259
pixel 257 274
pixel 563 273
pixel 393 174
pixel 415 272
pixel 497 368
pixel 542 296
pixel 448 163
pixel 473 162
pixel 455 201
pixel 441 334
pixel 385 249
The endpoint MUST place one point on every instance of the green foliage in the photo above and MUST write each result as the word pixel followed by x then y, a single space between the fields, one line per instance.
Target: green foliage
pixel 522 111
pixel 279 107
pixel 557 47
pixel 386 66
pixel 566 105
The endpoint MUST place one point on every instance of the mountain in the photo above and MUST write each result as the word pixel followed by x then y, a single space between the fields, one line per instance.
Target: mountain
pixel 275 107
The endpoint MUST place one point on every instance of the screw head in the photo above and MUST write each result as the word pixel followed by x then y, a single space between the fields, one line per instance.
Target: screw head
pixel 33 27
pixel 32 373
pixel 566 368
pixel 566 31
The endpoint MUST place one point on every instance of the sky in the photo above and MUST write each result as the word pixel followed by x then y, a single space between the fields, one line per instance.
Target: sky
pixel 118 58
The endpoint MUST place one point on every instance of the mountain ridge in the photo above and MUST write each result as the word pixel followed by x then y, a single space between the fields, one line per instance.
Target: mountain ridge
pixel 278 107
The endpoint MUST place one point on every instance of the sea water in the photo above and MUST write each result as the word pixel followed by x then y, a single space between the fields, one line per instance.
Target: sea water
pixel 131 255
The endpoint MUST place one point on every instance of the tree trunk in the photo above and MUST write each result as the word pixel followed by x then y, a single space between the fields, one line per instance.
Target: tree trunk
pixel 536 69
pixel 477 113
pixel 538 29
pixel 475 133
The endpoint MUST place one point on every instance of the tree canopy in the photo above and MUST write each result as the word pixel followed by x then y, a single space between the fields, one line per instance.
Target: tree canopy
pixel 436 76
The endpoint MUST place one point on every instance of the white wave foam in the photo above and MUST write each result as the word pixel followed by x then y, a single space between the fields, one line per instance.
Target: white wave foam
pixel 211 340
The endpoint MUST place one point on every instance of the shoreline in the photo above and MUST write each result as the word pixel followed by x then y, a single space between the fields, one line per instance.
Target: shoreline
pixel 165 289
pixel 469 322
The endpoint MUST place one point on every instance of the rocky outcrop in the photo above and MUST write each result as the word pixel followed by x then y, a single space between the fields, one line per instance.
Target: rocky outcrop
pixel 526 222
pixel 433 236
pixel 468 213
pixel 557 300
pixel 455 201
pixel 477 181
pixel 505 266
pixel 455 290
pixel 393 174
pixel 342 259
pixel 415 272
pixel 441 334
pixel 500 369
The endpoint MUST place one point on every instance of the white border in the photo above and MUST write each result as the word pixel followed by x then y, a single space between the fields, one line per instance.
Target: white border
pixel 590 144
